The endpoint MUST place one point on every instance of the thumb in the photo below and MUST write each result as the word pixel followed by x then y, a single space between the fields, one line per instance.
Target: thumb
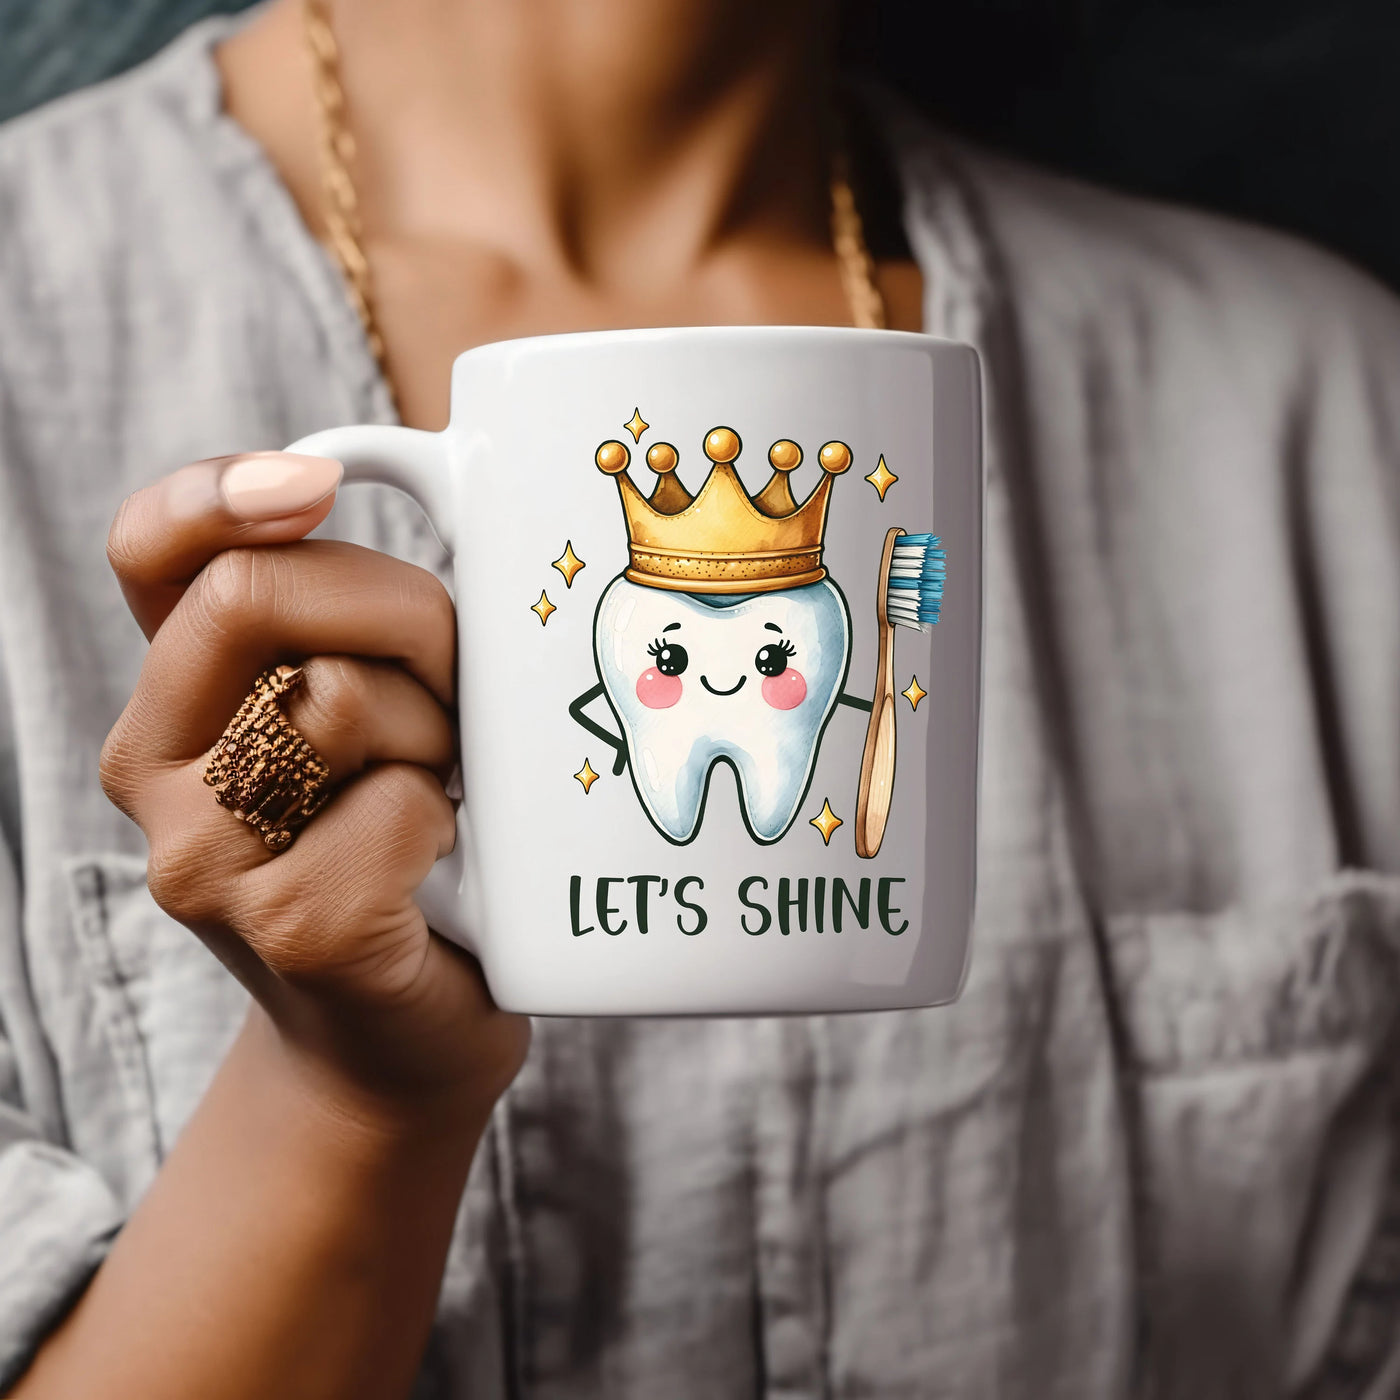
pixel 164 534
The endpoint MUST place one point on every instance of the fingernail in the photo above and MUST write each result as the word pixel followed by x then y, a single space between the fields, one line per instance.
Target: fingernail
pixel 268 485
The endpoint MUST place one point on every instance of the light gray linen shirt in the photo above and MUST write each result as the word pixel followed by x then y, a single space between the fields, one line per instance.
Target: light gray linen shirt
pixel 1151 1152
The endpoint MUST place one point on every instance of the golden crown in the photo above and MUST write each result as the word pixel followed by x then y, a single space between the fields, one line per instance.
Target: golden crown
pixel 723 540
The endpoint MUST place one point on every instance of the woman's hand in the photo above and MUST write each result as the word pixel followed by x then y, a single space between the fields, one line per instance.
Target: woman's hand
pixel 374 1010
pixel 293 1241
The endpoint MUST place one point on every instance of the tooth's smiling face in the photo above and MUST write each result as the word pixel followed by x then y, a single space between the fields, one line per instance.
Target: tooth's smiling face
pixel 781 684
pixel 696 679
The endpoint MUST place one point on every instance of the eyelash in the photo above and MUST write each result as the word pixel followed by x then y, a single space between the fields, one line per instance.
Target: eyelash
pixel 784 646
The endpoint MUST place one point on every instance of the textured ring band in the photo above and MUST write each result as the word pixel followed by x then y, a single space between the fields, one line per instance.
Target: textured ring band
pixel 263 771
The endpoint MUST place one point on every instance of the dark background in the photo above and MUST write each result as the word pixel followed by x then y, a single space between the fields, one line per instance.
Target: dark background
pixel 1284 111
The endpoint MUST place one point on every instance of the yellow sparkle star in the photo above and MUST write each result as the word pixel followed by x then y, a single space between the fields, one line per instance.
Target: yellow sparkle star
pixel 826 821
pixel 586 775
pixel 568 564
pixel 914 694
pixel 882 478
pixel 544 608
pixel 637 425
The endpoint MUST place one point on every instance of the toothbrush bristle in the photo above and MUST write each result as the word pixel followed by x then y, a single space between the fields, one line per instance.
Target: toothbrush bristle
pixel 918 567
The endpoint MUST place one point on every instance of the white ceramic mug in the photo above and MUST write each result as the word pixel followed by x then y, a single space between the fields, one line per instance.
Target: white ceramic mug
pixel 704 773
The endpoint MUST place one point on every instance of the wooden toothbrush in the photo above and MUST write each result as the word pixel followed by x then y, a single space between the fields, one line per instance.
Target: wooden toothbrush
pixel 909 594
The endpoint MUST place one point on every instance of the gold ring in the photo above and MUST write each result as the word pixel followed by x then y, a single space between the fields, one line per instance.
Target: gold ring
pixel 263 771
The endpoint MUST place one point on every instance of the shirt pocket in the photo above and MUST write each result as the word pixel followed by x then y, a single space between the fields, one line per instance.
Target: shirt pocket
pixel 160 1014
pixel 1259 1042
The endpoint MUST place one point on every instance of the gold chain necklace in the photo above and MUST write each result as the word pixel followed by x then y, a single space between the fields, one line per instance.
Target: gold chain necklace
pixel 340 202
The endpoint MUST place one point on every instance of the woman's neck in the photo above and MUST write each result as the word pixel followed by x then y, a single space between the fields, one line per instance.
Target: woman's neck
pixel 608 142
pixel 530 166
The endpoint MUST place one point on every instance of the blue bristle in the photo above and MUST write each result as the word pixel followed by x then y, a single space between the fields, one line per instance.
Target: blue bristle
pixel 918 569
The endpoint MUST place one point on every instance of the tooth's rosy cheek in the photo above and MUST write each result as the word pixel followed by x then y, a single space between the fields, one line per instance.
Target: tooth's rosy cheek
pixel 658 692
pixel 783 692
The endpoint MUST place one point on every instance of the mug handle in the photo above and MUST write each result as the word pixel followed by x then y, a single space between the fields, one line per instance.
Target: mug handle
pixel 415 463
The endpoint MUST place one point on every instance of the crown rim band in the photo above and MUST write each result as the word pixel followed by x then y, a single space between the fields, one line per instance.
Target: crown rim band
pixel 697 556
pixel 766 584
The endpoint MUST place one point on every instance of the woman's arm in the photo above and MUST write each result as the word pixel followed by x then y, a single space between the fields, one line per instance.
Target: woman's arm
pixel 292 1245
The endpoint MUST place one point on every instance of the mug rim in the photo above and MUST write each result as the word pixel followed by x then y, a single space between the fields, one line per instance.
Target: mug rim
pixel 640 335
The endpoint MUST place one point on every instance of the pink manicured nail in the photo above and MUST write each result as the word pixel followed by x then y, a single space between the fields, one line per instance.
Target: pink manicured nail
pixel 268 485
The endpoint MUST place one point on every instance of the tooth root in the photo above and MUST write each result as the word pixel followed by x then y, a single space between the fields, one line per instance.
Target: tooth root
pixel 771 781
pixel 671 787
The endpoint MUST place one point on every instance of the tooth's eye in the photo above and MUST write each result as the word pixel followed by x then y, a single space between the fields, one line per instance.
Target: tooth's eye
pixel 671 657
pixel 772 660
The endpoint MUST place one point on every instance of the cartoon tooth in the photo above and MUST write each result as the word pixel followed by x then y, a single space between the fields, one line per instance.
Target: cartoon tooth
pixel 723 641
pixel 697 680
